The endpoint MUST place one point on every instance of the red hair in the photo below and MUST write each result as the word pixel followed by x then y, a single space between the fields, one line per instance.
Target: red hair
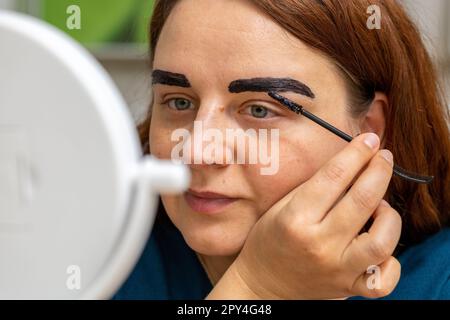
pixel 392 60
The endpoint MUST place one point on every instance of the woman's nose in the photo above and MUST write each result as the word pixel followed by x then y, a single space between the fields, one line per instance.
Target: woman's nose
pixel 208 139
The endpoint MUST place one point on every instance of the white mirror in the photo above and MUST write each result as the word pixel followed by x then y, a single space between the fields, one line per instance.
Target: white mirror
pixel 77 199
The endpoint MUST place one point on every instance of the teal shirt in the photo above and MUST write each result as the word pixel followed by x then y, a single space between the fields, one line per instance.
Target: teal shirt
pixel 168 269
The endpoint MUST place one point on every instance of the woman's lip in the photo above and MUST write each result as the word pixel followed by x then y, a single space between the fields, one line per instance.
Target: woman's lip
pixel 207 202
pixel 208 194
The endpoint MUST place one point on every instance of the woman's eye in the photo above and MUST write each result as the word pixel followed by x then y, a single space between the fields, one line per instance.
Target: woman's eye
pixel 179 104
pixel 258 111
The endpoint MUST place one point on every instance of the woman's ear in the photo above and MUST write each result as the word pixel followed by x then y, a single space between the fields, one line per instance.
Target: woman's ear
pixel 374 119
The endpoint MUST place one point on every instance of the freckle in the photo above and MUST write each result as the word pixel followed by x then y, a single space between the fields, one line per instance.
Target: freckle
pixel 222 109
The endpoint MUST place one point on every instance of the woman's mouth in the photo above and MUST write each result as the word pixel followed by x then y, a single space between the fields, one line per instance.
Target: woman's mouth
pixel 207 202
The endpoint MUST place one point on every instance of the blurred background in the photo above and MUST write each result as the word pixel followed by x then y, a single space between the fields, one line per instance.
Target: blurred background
pixel 115 32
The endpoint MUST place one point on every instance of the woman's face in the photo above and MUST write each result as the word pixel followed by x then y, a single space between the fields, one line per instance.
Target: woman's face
pixel 213 43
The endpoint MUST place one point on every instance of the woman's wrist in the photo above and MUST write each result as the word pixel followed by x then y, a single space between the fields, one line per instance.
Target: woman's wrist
pixel 232 286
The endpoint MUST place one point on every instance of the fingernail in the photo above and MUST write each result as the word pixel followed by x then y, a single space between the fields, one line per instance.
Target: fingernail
pixel 371 140
pixel 387 155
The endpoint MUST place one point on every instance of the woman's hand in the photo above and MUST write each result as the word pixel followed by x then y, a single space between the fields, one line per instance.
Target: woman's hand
pixel 309 245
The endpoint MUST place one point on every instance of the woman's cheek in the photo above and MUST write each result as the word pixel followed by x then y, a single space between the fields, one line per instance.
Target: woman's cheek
pixel 296 165
pixel 161 144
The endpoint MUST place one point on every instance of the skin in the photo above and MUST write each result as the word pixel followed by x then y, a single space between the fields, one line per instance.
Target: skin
pixel 235 40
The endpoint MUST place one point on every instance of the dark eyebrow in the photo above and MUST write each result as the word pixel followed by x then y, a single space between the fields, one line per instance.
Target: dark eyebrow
pixel 170 78
pixel 270 84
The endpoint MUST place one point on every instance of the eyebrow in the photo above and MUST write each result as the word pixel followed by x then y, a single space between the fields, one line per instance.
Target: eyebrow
pixel 271 84
pixel 170 78
pixel 238 86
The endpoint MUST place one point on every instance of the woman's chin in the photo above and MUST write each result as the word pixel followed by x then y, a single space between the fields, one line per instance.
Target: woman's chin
pixel 214 244
pixel 221 234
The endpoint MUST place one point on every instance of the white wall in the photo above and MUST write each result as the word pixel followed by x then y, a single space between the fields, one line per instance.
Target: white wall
pixel 7 4
pixel 133 79
pixel 432 17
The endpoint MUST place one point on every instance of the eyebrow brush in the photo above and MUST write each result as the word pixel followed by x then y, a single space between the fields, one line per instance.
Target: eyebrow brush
pixel 402 173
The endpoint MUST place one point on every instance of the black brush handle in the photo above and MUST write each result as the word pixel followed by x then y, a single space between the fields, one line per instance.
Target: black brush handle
pixel 398 171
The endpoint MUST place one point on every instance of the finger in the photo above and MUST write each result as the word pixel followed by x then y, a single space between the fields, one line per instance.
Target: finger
pixel 351 213
pixel 376 245
pixel 378 281
pixel 320 192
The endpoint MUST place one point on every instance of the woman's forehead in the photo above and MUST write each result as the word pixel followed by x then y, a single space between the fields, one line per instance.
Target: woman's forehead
pixel 221 15
pixel 231 56
pixel 226 32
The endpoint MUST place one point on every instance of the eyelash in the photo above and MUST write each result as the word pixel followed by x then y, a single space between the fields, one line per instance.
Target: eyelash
pixel 176 98
pixel 269 110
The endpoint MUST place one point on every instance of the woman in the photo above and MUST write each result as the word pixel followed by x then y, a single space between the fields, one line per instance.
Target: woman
pixel 331 221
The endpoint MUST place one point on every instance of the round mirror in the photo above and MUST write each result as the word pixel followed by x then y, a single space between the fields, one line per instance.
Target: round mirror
pixel 77 199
